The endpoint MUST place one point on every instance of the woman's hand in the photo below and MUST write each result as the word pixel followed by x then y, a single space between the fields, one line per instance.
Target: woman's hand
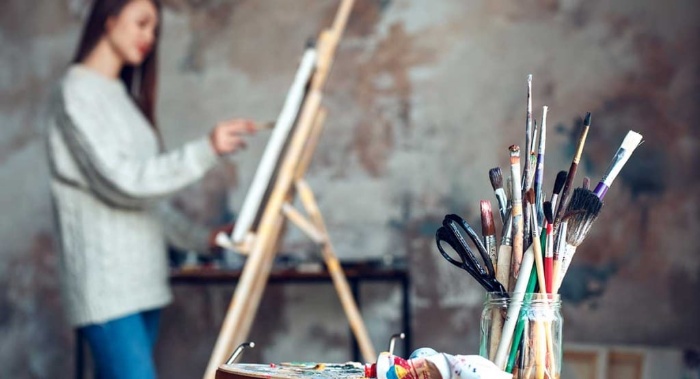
pixel 228 136
pixel 226 229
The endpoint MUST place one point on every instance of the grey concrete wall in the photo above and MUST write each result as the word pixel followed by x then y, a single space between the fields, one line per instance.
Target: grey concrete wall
pixel 424 98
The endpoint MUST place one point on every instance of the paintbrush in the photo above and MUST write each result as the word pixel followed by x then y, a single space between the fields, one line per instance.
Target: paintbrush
pixel 582 211
pixel 505 252
pixel 631 141
pixel 518 294
pixel 539 263
pixel 496 178
pixel 549 246
pixel 528 177
pixel 572 172
pixel 560 247
pixel 586 183
pixel 528 134
pixel 516 211
pixel 558 185
pixel 539 173
pixel 488 230
pixel 503 276
pixel 265 126
pixel 517 344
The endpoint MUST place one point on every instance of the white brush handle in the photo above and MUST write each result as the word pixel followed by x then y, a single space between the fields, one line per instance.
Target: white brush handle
pixel 516 303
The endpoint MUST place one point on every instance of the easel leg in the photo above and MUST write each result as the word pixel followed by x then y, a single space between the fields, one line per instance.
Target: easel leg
pixel 246 298
pixel 335 270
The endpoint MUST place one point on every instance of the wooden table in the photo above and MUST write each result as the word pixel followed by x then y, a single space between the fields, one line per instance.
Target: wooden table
pixel 357 274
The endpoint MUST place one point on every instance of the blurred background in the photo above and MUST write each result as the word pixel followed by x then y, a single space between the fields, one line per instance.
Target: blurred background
pixel 424 98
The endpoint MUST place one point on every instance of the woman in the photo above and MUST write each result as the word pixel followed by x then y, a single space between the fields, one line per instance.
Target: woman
pixel 108 177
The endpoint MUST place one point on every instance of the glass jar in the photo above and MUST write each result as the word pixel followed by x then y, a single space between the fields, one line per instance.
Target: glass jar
pixel 531 325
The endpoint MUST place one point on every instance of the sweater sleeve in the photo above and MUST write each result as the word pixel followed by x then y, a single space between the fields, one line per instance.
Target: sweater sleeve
pixel 109 169
pixel 180 230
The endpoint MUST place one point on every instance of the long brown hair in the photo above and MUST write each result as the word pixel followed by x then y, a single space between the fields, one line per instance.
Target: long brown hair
pixel 140 80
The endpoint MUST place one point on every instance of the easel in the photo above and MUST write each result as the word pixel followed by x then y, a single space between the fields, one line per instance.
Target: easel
pixel 262 245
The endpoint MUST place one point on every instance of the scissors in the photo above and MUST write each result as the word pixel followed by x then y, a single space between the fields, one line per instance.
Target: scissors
pixel 450 234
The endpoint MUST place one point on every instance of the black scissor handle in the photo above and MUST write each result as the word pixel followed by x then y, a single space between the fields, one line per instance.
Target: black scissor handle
pixel 451 234
pixel 444 234
pixel 477 241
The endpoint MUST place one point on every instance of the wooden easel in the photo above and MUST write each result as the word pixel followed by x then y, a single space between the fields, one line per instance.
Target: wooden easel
pixel 262 245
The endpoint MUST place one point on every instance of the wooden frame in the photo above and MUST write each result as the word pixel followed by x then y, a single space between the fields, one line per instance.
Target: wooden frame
pixel 601 362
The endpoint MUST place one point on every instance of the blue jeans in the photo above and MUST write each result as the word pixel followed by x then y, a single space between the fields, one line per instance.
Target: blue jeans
pixel 123 348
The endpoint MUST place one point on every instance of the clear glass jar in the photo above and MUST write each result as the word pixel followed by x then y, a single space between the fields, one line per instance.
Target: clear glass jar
pixel 535 328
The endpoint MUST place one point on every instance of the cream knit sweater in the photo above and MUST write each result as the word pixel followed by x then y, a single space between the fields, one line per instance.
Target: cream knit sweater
pixel 108 180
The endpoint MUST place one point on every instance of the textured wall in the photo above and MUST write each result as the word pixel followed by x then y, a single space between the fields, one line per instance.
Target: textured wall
pixel 424 98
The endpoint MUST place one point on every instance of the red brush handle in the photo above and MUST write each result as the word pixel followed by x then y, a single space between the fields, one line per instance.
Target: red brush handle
pixel 548 269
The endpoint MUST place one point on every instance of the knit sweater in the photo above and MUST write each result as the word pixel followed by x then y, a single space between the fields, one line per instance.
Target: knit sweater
pixel 108 182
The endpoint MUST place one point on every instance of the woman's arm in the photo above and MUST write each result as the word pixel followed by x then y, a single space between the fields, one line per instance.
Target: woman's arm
pixel 181 231
pixel 111 171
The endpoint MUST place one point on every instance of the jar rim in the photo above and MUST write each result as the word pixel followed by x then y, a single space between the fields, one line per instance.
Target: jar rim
pixel 530 297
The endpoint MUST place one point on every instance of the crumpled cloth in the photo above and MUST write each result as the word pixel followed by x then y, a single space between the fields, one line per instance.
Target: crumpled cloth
pixel 426 363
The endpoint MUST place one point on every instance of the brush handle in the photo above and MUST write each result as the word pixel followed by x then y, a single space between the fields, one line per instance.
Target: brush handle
pixel 570 177
pixel 502 200
pixel 548 269
pixel 561 247
pixel 516 212
pixel 514 309
pixel 565 193
pixel 490 245
pixel 567 257
pixel 624 152
pixel 600 190
pixel 520 326
pixel 503 265
pixel 536 243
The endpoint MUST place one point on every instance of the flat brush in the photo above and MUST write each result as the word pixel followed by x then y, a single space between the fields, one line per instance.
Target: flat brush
pixel 631 141
pixel 496 178
pixel 488 230
pixel 558 185
pixel 572 172
pixel 582 211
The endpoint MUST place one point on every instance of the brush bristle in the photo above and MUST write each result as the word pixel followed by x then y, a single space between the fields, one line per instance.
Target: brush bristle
pixel 514 150
pixel 582 211
pixel 487 225
pixel 548 211
pixel 559 181
pixel 587 120
pixel 530 196
pixel 496 177
pixel 586 183
pixel 631 141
